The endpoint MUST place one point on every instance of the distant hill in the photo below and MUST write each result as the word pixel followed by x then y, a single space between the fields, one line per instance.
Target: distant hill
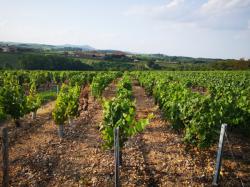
pixel 48 47
pixel 15 55
pixel 87 48
pixel 83 47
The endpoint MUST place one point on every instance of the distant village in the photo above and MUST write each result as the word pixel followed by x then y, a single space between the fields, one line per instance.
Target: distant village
pixel 8 49
pixel 13 49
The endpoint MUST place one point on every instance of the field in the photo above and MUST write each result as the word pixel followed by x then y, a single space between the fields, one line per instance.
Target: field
pixel 169 127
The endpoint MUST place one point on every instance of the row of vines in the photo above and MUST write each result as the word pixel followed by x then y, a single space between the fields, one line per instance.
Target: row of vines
pixel 68 100
pixel 19 90
pixel 119 112
pixel 197 103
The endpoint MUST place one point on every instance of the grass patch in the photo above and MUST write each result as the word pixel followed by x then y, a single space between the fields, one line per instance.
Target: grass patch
pixel 48 95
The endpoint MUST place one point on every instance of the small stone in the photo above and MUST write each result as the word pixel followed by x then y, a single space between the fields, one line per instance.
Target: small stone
pixel 94 180
pixel 202 176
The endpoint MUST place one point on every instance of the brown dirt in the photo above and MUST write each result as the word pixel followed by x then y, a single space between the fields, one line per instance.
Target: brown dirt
pixel 27 124
pixel 39 158
pixel 156 157
pixel 199 89
pixel 170 163
pixel 110 91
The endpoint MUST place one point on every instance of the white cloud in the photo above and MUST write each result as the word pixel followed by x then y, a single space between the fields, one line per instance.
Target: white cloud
pixel 171 10
pixel 222 6
pixel 214 14
pixel 174 3
pixel 226 14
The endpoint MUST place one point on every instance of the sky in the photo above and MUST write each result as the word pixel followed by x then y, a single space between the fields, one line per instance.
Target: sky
pixel 196 28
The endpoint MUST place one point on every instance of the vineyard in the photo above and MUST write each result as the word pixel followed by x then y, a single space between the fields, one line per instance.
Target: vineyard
pixel 61 127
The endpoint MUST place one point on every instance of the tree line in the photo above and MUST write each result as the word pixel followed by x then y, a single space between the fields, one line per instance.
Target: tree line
pixel 51 62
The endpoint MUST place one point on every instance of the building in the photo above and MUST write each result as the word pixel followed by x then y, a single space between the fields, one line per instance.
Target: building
pixel 8 49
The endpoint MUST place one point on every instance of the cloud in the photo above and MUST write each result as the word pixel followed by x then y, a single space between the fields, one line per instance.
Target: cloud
pixel 213 14
pixel 224 6
pixel 174 9
pixel 226 14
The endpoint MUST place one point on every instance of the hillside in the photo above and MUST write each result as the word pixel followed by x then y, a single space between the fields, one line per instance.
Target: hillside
pixel 12 56
pixel 35 46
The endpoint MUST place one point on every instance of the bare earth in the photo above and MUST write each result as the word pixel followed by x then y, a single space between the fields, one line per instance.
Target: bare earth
pixel 156 157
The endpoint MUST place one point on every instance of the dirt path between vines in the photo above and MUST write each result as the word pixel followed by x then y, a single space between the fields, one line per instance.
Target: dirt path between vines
pixel 165 159
pixel 20 138
pixel 27 124
pixel 168 162
pixel 39 158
